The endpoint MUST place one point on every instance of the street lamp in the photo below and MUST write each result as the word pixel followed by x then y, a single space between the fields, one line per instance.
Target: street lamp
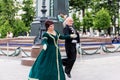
pixel 42 28
pixel 43 18
pixel 43 10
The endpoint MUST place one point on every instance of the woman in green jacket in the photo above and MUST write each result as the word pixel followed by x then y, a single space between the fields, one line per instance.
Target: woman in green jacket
pixel 48 65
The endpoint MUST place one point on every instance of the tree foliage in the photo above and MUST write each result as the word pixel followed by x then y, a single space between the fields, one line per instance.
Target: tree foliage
pixel 6 27
pixel 111 5
pixel 79 4
pixel 8 21
pixel 88 20
pixel 28 16
pixel 20 29
pixel 96 5
pixel 8 11
pixel 102 19
pixel 76 21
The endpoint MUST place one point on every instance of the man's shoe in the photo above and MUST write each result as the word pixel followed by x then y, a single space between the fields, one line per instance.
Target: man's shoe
pixel 69 75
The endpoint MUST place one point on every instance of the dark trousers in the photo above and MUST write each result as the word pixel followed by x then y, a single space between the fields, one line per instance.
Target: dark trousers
pixel 71 57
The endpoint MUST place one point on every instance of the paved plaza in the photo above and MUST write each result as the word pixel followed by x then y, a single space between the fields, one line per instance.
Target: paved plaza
pixel 87 67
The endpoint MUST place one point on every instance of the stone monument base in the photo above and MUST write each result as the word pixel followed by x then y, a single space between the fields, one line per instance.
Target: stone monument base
pixel 89 41
pixel 34 53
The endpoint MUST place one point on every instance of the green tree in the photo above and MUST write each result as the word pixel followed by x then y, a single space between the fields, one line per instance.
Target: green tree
pixel 28 16
pixel 6 27
pixel 79 5
pixel 8 11
pixel 111 5
pixel 76 21
pixel 88 20
pixel 102 20
pixel 20 29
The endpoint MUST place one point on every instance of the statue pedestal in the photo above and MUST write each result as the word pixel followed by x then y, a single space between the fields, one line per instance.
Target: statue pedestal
pixel 88 44
pixel 34 53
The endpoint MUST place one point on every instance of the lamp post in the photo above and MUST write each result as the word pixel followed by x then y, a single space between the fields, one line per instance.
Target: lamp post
pixel 42 28
pixel 43 10
pixel 43 18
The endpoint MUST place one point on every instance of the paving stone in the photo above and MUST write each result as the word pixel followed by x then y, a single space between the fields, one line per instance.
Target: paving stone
pixel 87 67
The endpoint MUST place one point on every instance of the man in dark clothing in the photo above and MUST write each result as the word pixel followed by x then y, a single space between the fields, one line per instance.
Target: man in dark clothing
pixel 70 46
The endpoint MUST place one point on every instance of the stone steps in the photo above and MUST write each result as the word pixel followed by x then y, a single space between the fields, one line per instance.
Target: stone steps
pixel 35 52
pixel 26 43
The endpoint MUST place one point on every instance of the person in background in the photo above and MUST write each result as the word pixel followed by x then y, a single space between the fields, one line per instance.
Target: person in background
pixel 70 46
pixel 48 65
pixel 115 39
pixel 9 34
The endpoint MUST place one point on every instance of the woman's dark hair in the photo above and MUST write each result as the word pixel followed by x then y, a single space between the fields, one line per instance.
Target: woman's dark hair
pixel 48 23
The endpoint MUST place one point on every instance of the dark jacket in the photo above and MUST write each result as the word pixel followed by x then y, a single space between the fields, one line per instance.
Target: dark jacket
pixel 68 31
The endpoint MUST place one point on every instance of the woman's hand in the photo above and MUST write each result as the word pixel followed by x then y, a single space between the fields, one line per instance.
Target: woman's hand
pixel 44 46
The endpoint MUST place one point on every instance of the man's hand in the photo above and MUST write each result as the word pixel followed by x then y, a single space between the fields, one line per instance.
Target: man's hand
pixel 73 35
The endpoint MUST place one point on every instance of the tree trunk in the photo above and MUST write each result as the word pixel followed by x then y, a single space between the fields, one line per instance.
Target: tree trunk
pixel 83 14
